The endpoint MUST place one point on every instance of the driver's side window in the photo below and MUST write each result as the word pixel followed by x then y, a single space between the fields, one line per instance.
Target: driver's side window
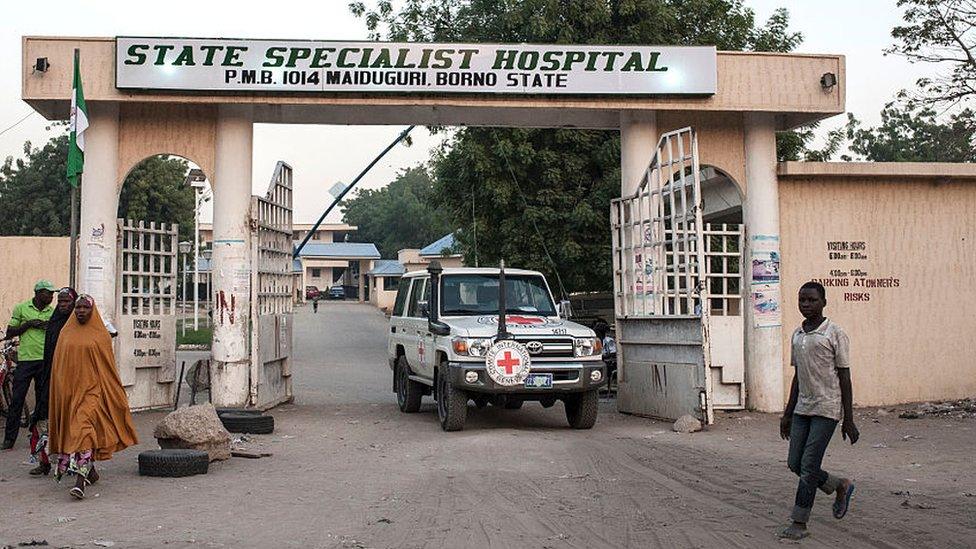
pixel 419 295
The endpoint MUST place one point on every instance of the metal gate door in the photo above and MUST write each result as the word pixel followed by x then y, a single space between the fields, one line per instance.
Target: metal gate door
pixel 272 291
pixel 660 289
pixel 146 299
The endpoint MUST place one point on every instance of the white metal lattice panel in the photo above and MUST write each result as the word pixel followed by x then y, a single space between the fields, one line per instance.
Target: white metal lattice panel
pixel 657 235
pixel 272 287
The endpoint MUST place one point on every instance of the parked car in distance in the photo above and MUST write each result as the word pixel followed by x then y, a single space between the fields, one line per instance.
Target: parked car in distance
pixel 312 292
pixel 337 292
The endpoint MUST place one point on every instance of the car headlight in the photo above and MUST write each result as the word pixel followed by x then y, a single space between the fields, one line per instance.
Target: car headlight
pixel 587 346
pixel 471 346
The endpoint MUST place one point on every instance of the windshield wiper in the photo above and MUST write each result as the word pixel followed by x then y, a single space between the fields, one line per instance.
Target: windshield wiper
pixel 467 312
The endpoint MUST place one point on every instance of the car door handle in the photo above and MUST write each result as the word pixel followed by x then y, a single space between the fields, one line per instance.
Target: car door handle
pixel 392 329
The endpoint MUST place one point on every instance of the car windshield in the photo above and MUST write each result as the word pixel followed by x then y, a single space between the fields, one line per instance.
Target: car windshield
pixel 477 294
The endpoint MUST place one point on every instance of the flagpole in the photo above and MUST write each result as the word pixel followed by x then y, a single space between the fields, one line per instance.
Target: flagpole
pixel 73 247
pixel 73 274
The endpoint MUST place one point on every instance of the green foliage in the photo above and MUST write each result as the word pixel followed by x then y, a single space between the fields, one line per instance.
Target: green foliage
pixel 154 191
pixel 35 196
pixel 34 192
pixel 940 32
pixel 541 198
pixel 909 133
pixel 399 215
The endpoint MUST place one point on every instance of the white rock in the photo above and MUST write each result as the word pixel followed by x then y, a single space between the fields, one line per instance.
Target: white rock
pixel 687 424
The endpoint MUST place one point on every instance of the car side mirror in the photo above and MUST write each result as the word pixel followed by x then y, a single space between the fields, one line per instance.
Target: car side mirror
pixel 438 328
pixel 424 309
pixel 565 309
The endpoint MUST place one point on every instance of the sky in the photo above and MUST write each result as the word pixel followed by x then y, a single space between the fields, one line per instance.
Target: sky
pixel 324 155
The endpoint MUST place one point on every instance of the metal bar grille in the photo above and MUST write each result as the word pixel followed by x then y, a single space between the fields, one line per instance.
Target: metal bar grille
pixel 723 268
pixel 273 280
pixel 658 255
pixel 147 273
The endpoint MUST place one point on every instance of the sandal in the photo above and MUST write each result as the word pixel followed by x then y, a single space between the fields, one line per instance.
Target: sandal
pixel 77 492
pixel 840 508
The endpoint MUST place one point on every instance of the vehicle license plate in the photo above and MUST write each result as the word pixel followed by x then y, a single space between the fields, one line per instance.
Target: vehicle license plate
pixel 539 381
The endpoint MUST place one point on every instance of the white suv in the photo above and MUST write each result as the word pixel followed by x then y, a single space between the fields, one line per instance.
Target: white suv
pixel 454 344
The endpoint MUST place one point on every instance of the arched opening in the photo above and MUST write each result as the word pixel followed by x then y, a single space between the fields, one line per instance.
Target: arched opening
pixel 163 274
pixel 721 197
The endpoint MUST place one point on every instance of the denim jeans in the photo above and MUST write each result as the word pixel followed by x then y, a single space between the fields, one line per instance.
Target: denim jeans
pixel 26 371
pixel 809 437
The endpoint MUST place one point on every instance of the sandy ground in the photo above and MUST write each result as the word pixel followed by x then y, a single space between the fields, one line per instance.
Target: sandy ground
pixel 349 470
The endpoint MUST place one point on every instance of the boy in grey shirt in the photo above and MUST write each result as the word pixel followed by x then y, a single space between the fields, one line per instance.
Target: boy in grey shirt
pixel 820 396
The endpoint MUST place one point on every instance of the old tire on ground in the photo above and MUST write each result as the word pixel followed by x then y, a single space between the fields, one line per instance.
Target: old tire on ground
pixel 257 424
pixel 452 403
pixel 581 409
pixel 173 463
pixel 223 411
pixel 513 404
pixel 408 391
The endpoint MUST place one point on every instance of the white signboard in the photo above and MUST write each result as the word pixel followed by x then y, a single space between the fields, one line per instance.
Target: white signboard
pixel 204 64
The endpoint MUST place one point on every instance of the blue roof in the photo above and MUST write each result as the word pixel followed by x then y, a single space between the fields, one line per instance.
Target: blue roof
pixel 387 267
pixel 436 249
pixel 341 250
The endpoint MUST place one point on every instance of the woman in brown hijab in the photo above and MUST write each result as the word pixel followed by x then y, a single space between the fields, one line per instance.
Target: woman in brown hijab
pixel 89 412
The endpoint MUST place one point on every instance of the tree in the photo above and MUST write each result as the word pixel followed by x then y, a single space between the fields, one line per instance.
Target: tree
pixel 154 191
pixel 542 197
pixel 35 196
pixel 909 133
pixel 940 32
pixel 34 192
pixel 399 215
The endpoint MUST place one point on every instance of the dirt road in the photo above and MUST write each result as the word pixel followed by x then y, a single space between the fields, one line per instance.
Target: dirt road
pixel 349 470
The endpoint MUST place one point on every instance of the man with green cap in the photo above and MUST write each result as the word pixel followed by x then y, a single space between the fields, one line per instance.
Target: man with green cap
pixel 29 322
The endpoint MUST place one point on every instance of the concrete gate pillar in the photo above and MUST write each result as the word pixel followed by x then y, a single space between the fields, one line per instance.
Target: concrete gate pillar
pixel 638 140
pixel 760 214
pixel 231 366
pixel 99 208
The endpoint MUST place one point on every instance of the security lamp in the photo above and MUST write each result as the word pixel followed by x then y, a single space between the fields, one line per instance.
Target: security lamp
pixel 828 81
pixel 41 64
pixel 207 253
pixel 185 246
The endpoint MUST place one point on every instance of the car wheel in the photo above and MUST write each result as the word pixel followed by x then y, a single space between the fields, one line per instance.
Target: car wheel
pixel 452 403
pixel 408 391
pixel 582 409
pixel 173 463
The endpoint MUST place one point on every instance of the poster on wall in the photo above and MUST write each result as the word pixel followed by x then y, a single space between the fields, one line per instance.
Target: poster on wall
pixel 765 289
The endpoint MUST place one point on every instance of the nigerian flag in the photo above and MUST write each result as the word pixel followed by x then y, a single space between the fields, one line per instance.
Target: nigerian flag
pixel 79 123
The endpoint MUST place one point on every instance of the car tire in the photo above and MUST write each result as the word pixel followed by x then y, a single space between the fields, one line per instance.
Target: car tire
pixel 452 403
pixel 582 409
pixel 173 463
pixel 514 404
pixel 248 423
pixel 408 391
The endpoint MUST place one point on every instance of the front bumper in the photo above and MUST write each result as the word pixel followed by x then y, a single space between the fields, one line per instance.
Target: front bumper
pixel 568 377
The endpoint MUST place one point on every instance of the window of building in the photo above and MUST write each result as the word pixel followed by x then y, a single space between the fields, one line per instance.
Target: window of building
pixel 315 235
pixel 390 283
pixel 316 273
